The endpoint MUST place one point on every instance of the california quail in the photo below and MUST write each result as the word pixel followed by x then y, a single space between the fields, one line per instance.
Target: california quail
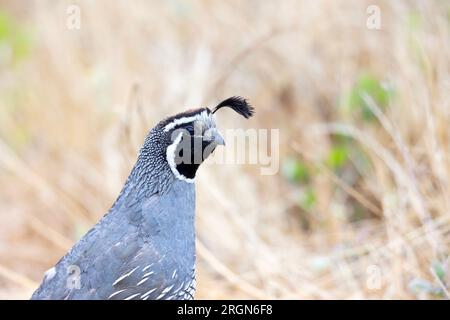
pixel 144 247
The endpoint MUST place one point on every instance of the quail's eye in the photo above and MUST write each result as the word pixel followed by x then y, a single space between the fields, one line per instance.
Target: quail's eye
pixel 190 128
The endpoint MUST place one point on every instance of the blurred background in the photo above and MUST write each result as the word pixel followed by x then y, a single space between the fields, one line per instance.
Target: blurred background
pixel 360 207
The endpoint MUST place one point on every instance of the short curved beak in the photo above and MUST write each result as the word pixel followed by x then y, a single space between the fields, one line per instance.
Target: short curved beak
pixel 213 136
pixel 218 139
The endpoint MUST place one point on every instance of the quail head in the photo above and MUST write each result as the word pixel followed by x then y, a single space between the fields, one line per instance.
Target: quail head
pixel 144 246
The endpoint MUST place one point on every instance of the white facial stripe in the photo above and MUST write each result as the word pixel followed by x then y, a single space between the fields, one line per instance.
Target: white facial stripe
pixel 203 116
pixel 176 122
pixel 170 155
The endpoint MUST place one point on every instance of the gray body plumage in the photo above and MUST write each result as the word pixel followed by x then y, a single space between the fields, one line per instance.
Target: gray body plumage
pixel 143 248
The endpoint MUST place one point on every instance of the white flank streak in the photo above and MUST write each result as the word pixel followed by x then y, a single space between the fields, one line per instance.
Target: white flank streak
pixel 132 296
pixel 124 276
pixel 116 293
pixel 180 287
pixel 174 273
pixel 167 289
pixel 142 281
pixel 148 274
pixel 170 154
pixel 145 295
pixel 49 274
pixel 143 270
pixel 160 296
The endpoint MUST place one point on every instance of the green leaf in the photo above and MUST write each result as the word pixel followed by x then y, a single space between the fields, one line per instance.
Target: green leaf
pixel 308 199
pixel 439 270
pixel 367 87
pixel 337 157
pixel 14 37
pixel 295 171
pixel 4 26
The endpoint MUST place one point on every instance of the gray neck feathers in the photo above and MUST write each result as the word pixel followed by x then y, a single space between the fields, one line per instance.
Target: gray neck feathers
pixel 151 174
pixel 170 218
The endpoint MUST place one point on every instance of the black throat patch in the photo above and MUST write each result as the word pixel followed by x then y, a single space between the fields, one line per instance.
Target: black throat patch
pixel 190 153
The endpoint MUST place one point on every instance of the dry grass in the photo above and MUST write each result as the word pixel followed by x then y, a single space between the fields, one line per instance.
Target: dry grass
pixel 75 107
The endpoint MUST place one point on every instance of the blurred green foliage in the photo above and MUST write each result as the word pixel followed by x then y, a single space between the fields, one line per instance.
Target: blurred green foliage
pixel 308 199
pixel 414 24
pixel 367 86
pixel 414 20
pixel 337 156
pixel 439 270
pixel 15 46
pixel 295 170
pixel 15 41
pixel 418 286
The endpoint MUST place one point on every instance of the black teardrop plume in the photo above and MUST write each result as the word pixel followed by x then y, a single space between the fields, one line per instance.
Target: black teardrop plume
pixel 238 104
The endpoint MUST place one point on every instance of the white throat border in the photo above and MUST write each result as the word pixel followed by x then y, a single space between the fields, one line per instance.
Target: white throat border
pixel 170 155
